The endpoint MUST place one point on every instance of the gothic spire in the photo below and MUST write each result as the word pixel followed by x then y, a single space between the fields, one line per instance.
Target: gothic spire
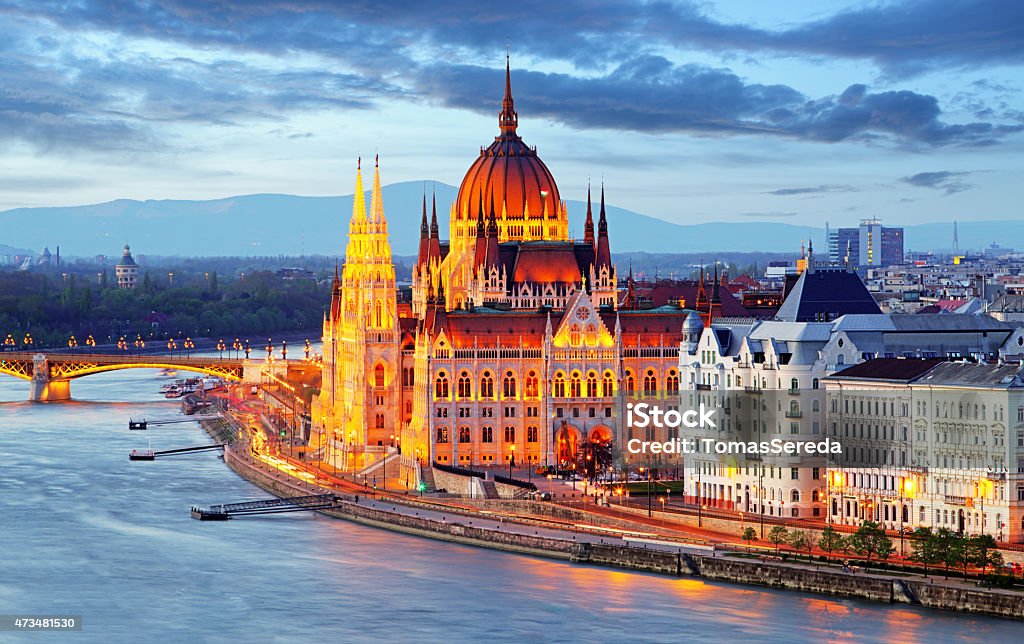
pixel 588 227
pixel 508 120
pixel 424 228
pixel 359 200
pixel 376 198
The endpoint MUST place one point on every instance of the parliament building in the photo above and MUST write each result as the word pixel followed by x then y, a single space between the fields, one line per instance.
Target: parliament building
pixel 516 344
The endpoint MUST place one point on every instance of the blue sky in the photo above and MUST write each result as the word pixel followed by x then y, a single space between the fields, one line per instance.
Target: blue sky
pixel 690 111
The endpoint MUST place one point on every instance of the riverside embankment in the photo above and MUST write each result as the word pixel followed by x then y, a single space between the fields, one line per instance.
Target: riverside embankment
pixel 667 559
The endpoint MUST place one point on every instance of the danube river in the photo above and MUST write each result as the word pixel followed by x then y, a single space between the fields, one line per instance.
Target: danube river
pixel 87 532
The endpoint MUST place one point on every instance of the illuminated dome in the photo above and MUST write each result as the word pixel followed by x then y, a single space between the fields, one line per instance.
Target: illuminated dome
pixel 511 178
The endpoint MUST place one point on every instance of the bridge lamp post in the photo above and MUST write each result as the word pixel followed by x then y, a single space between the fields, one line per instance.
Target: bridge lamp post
pixel 307 348
pixel 140 344
pixel 247 349
pixel 28 341
pixel 270 348
pixel 284 349
pixel 237 346
pixel 121 344
pixel 172 346
pixel 220 348
pixel 9 342
pixel 90 341
pixel 72 342
pixel 188 345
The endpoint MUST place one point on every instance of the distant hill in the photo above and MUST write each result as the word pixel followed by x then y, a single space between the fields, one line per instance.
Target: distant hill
pixel 271 224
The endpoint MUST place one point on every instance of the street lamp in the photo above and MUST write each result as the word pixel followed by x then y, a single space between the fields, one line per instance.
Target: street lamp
pixel 269 348
pixel 121 344
pixel 72 342
pixel 247 349
pixel 307 348
pixel 237 346
pixel 140 344
pixel 220 349
pixel 9 342
pixel 983 488
pixel 906 488
pixel 188 345
pixel 90 341
pixel 172 345
pixel 649 513
pixel 28 341
pixel 511 459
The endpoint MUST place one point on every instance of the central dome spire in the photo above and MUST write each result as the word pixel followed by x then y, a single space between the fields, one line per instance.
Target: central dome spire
pixel 509 174
pixel 508 119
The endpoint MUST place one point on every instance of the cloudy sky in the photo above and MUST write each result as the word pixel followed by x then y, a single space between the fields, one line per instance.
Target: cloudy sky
pixel 725 110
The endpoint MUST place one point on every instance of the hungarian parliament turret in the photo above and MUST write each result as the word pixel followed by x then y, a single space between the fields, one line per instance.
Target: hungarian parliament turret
pixel 516 345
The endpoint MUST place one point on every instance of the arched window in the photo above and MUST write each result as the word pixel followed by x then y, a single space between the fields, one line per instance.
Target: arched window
pixel 465 386
pixel 794 384
pixel 442 434
pixel 672 382
pixel 531 385
pixel 630 384
pixel 815 384
pixel 650 383
pixel 486 385
pixel 559 391
pixel 794 496
pixel 378 376
pixel 574 335
pixel 814 496
pixel 575 388
pixel 380 421
pixel 815 405
pixel 463 434
pixel 794 408
pixel 508 385
pixel 379 315
pixel 591 385
pixel 609 384
pixel 441 386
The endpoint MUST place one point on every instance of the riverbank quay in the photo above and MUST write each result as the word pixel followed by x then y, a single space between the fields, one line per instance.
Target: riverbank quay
pixel 623 550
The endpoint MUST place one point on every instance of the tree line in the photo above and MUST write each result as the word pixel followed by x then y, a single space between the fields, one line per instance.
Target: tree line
pixel 941 548
pixel 49 308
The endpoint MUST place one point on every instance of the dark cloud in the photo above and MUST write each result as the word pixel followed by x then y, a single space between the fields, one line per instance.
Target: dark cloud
pixel 787 192
pixel 649 94
pixel 945 180
pixel 434 51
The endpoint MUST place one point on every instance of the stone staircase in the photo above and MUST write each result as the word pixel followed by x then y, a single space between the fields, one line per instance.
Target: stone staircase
pixel 427 478
pixel 490 489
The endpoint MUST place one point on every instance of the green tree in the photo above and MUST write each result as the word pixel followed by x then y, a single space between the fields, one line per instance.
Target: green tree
pixel 924 547
pixel 870 540
pixel 831 540
pixel 982 552
pixel 946 544
pixel 778 535
pixel 802 540
pixel 749 535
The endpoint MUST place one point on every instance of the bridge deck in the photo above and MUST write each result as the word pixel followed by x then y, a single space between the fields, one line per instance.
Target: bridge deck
pixel 267 506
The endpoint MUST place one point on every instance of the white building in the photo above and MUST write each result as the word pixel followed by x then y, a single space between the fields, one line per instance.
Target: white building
pixel 929 443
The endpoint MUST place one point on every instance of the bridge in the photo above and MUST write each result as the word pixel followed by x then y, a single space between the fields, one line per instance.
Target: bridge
pixel 51 373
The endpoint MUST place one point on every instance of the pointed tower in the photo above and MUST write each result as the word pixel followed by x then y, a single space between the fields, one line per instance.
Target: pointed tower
pixel 355 410
pixel 588 226
pixel 604 282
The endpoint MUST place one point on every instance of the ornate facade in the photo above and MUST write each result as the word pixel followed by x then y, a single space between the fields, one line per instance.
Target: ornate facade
pixel 514 346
